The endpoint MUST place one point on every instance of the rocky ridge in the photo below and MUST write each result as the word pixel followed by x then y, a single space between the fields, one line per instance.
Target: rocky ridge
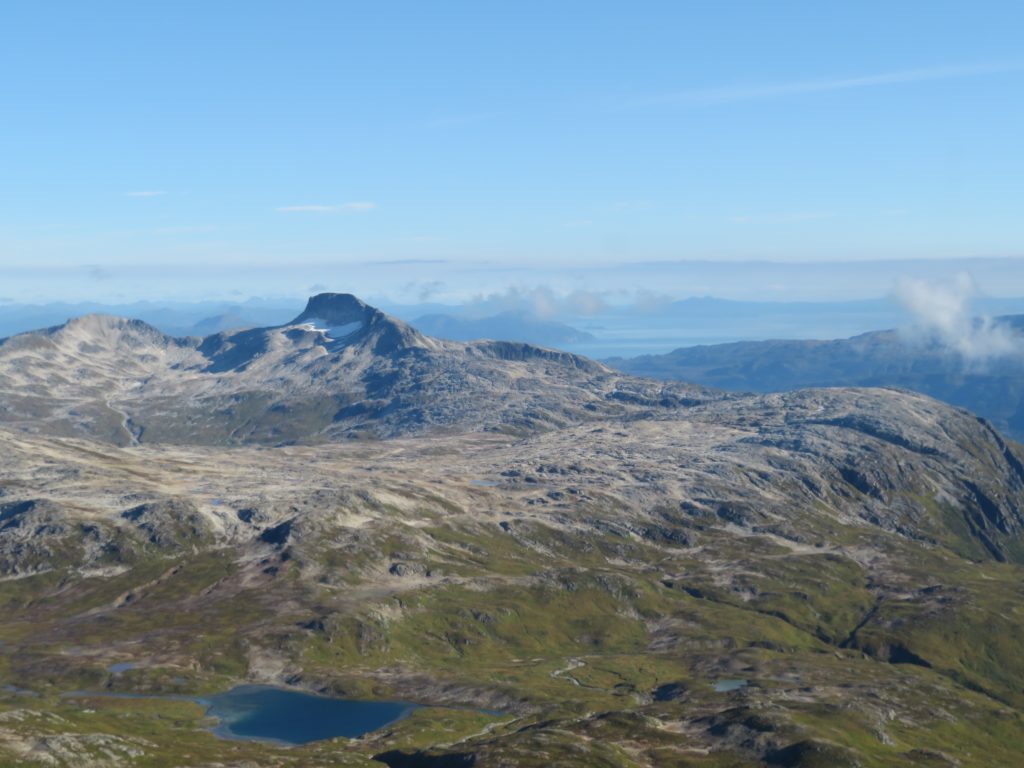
pixel 123 381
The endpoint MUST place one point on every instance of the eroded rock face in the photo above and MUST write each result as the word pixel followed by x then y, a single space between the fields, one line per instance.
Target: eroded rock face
pixel 30 517
pixel 169 523
pixel 39 535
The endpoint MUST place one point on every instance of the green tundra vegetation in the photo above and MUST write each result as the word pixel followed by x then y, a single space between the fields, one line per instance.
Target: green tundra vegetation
pixel 543 640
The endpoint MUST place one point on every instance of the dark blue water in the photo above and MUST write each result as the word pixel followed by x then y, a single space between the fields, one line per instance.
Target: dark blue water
pixel 291 717
pixel 266 713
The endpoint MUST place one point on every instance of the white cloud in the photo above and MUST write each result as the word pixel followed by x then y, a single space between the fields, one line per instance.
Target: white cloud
pixel 942 312
pixel 147 193
pixel 730 94
pixel 354 207
pixel 539 301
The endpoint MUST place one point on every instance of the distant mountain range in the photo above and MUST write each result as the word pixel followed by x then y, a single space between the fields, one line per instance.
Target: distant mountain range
pixel 518 326
pixel 173 318
pixel 992 387
pixel 621 330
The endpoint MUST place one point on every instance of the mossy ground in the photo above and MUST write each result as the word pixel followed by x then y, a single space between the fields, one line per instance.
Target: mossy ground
pixel 574 639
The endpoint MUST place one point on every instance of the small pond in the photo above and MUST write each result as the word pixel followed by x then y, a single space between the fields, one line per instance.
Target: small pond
pixel 724 686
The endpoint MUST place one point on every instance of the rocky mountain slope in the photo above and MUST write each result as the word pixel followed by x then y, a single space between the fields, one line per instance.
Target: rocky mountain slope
pixel 566 565
pixel 992 387
pixel 340 369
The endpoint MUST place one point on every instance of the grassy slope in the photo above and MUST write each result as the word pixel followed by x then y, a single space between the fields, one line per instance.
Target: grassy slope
pixel 573 634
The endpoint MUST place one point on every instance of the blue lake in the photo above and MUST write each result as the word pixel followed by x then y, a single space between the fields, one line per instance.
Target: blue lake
pixel 291 717
pixel 266 713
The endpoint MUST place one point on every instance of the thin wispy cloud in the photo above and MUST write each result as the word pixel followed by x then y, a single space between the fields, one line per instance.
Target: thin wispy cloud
pixel 354 207
pixel 401 262
pixel 729 94
pixel 147 193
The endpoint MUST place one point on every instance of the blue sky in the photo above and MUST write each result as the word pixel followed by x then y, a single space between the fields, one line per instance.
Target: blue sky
pixel 442 148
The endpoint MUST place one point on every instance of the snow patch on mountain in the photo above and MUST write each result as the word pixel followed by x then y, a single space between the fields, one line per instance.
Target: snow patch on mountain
pixel 333 332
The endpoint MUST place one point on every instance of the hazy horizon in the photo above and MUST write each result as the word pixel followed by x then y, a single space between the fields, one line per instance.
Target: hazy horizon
pixel 599 324
pixel 416 282
pixel 189 152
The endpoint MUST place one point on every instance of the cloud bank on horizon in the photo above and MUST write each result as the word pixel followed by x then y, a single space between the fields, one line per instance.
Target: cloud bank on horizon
pixel 543 289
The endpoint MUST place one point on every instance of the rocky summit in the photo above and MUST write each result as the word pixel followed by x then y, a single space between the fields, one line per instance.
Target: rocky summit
pixel 563 564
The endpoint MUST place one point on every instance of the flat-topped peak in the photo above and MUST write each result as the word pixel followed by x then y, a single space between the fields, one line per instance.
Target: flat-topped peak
pixel 342 315
pixel 337 309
